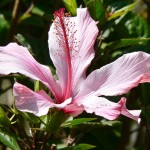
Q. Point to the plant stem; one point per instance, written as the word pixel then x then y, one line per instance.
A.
pixel 14 19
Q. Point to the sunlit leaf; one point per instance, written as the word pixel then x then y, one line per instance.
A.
pixel 37 11
pixel 130 26
pixel 124 43
pixel 21 39
pixel 71 6
pixel 121 11
pixel 24 17
pixel 79 147
pixel 77 122
pixel 111 123
pixel 4 120
pixel 9 141
pixel 82 146
pixel 137 26
pixel 39 86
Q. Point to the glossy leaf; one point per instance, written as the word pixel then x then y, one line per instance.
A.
pixel 96 9
pixel 110 123
pixel 71 6
pixel 41 13
pixel 9 141
pixel 131 26
pixel 121 11
pixel 4 120
pixel 79 147
pixel 32 118
pixel 77 122
pixel 83 146
pixel 56 119
pixel 97 125
pixel 137 26
pixel 122 43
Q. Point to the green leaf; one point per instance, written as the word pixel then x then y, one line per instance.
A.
pixel 9 140
pixel 111 123
pixel 31 117
pixel 71 6
pixel 125 43
pixel 21 39
pixel 24 17
pixel 130 26
pixel 4 26
pixel 121 11
pixel 41 13
pixel 96 10
pixel 22 116
pixel 55 121
pixel 39 86
pixel 37 11
pixel 82 146
pixel 97 125
pixel 28 19
pixel 4 120
pixel 137 26
pixel 77 122
pixel 44 120
pixel 79 147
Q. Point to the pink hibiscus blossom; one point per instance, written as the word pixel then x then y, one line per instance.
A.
pixel 71 41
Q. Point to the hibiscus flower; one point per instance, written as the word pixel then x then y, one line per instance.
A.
pixel 71 42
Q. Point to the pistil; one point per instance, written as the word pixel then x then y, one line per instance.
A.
pixel 64 36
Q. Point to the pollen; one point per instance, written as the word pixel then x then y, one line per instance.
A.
pixel 65 29
pixel 65 33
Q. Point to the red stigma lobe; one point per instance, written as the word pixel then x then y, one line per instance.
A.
pixel 59 13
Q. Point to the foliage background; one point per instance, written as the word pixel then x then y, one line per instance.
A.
pixel 27 22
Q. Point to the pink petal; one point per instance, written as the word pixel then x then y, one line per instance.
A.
pixel 73 110
pixel 118 77
pixel 107 109
pixel 82 38
pixel 37 103
pixel 133 114
pixel 86 35
pixel 65 103
pixel 101 107
pixel 17 59
pixel 27 100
